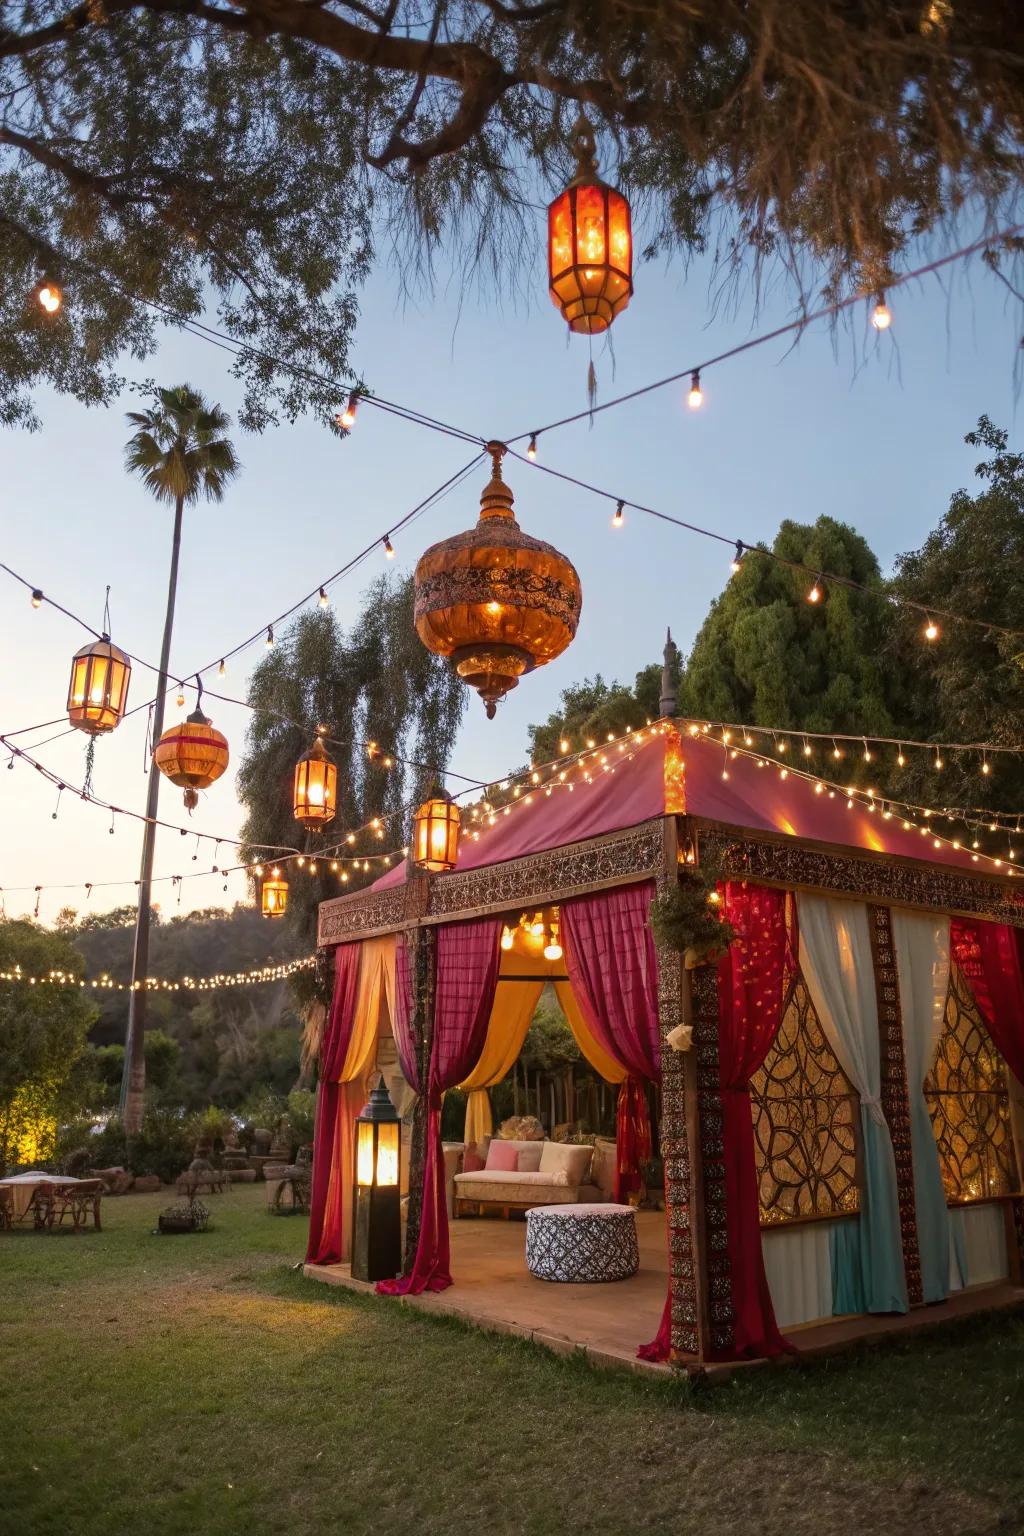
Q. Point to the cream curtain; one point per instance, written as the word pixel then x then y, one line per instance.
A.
pixel 798 1268
pixel 921 942
pixel 835 958
pixel 514 1004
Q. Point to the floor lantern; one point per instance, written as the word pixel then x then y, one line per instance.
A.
pixel 494 600
pixel 435 834
pixel 315 792
pixel 192 755
pixel 98 692
pixel 590 245
pixel 274 895
pixel 377 1199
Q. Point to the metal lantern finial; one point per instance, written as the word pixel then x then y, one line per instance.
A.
pixel 494 600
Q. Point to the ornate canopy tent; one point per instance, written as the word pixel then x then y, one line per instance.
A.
pixel 842 1131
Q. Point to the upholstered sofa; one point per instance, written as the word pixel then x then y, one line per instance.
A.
pixel 544 1173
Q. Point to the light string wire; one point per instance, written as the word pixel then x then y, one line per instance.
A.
pixel 104 982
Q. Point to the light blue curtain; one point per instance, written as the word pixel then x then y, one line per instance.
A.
pixel 921 942
pixel 835 958
pixel 847 1284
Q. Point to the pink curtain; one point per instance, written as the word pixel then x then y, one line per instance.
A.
pixel 401 1024
pixel 613 971
pixel 332 1123
pixel 752 980
pixel 468 956
pixel 989 958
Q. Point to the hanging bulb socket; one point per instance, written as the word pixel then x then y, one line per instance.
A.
pixel 531 452
pixel 389 548
pixel 881 315
pixel 695 399
pixel 323 599
pixel 737 557
pixel 37 597
pixel 269 642
pixel 347 418
pixel 618 516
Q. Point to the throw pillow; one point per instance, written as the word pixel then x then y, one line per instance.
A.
pixel 530 1156
pixel 472 1162
pixel 564 1157
pixel 502 1158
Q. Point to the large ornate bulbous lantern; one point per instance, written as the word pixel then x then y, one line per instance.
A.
pixel 315 795
pixel 435 834
pixel 590 245
pixel 192 755
pixel 98 693
pixel 494 600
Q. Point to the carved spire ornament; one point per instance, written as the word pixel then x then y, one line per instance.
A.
pixel 495 601
pixel 668 704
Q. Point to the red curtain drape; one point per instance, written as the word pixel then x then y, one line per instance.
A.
pixel 468 956
pixel 324 1246
pixel 752 980
pixel 613 971
pixel 989 958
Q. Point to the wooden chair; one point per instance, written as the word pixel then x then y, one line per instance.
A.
pixel 6 1208
pixel 55 1201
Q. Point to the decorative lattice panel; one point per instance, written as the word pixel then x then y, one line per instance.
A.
pixel 969 1105
pixel 805 1113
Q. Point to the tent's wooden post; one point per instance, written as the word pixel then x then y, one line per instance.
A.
pixel 421 943
pixel 680 1146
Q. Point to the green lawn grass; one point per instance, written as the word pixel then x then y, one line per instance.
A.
pixel 197 1384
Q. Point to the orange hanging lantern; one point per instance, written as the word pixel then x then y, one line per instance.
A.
pixel 435 833
pixel 590 245
pixel 315 794
pixel 274 895
pixel 192 755
pixel 494 600
pixel 98 693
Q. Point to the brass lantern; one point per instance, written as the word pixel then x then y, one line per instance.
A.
pixel 435 834
pixel 377 1198
pixel 98 693
pixel 315 795
pixel 274 895
pixel 495 600
pixel 192 755
pixel 590 245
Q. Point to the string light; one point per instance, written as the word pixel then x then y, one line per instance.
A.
pixel 347 419
pixel 737 558
pixel 931 630
pixel 106 983
pixel 389 548
pixel 37 597
pixel 618 517
pixel 814 595
pixel 222 668
pixel 985 766
pixel 881 315
pixel 695 399
pixel 323 599
pixel 531 452
pixel 49 295
pixel 269 642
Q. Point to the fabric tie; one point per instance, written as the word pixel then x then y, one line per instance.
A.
pixel 873 1105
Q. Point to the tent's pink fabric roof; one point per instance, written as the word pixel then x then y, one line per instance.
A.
pixel 630 788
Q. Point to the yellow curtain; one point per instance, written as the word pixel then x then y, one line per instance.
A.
pixel 511 1012
pixel 598 1057
pixel 377 956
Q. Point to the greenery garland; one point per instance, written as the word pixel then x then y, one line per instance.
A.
pixel 685 918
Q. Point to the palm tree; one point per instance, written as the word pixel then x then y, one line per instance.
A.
pixel 181 453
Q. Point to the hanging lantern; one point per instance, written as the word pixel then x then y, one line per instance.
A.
pixel 435 833
pixel 495 600
pixel 100 674
pixel 315 795
pixel 590 245
pixel 377 1197
pixel 192 755
pixel 274 895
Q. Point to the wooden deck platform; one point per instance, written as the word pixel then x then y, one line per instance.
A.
pixel 494 1290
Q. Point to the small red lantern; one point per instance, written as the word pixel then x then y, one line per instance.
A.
pixel 590 245
pixel 192 755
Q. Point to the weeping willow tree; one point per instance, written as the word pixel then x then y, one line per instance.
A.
pixel 375 681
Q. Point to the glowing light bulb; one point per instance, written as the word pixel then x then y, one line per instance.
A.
pixel 324 600
pixel 985 767
pixel 37 597
pixel 531 452
pixel 563 746
pixel 347 419
pixel 931 630
pixel 49 295
pixel 695 399
pixel 734 564
pixel 221 669
pixel 269 642
pixel 389 548
pixel 553 951
pixel 814 595
pixel 506 938
pixel 881 315
pixel 618 518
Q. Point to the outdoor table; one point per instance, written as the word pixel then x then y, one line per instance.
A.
pixel 23 1187
pixel 574 1243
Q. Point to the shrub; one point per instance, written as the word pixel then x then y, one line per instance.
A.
pixel 301 1114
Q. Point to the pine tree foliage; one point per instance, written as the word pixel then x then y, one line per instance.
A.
pixel 373 682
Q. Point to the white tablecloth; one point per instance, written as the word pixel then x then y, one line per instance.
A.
pixel 25 1185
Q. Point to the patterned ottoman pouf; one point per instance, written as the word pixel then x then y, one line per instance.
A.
pixel 581 1242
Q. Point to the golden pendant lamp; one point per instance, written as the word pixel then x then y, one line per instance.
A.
pixel 192 755
pixel 315 790
pixel 98 692
pixel 590 245
pixel 435 834
pixel 494 600
pixel 274 895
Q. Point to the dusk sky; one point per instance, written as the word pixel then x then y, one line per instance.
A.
pixel 869 430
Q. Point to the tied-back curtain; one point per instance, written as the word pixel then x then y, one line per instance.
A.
pixel 604 1065
pixel 515 1000
pixel 613 971
pixel 466 978
pixel 325 1224
pixel 752 983
pixel 988 956
pixel 921 942
pixel 837 965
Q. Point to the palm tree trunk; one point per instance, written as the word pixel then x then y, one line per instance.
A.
pixel 133 1082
